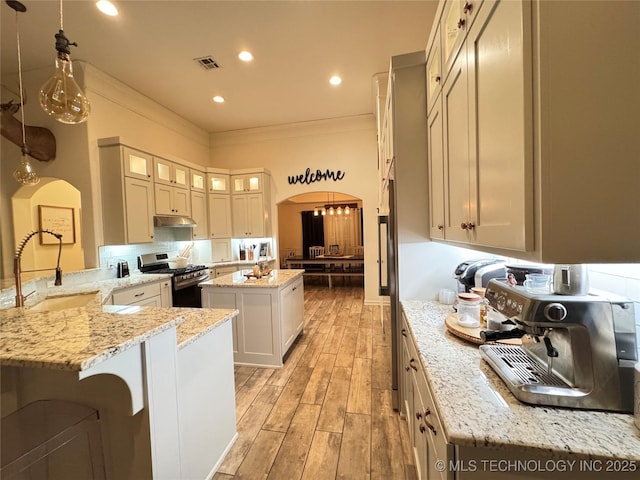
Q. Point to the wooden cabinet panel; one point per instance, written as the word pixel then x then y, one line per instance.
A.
pixel 199 214
pixel 220 216
pixel 137 164
pixel 138 211
pixel 436 172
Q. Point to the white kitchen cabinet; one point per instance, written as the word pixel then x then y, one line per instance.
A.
pixel 127 194
pixel 251 212
pixel 292 305
pixel 457 19
pixel 198 182
pixel 546 153
pixel 218 182
pixel 485 141
pixel 266 313
pixel 172 200
pixel 247 183
pixel 434 69
pixel 221 250
pixel 219 215
pixel 199 214
pixel 152 294
pixel 436 171
pixel 170 173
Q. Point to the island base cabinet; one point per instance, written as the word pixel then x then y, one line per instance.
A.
pixel 206 395
pixel 269 321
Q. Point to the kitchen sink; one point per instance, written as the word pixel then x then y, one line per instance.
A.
pixel 69 301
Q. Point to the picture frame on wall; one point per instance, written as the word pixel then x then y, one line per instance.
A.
pixel 59 220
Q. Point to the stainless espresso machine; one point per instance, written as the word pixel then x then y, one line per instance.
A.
pixel 577 351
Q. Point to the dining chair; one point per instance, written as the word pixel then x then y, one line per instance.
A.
pixel 315 251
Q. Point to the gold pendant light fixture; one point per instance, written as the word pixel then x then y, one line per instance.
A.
pixel 60 96
pixel 24 174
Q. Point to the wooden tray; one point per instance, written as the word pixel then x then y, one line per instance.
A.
pixel 471 334
pixel 264 273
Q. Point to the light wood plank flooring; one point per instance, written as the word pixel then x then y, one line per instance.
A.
pixel 327 413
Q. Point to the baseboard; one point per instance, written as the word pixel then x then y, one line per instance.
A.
pixel 215 468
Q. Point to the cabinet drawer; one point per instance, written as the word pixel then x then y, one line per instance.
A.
pixel 132 295
pixel 431 418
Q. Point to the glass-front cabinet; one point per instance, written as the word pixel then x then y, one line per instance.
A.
pixel 248 183
pixel 170 173
pixel 218 183
pixel 198 180
pixel 137 164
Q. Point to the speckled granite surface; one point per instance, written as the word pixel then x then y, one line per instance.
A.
pixel 477 409
pixel 78 338
pixel 275 279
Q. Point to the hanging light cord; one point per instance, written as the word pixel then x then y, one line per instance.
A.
pixel 24 136
pixel 61 15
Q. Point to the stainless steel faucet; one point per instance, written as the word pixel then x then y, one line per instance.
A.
pixel 17 268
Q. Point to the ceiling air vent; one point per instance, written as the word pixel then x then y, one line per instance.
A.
pixel 208 62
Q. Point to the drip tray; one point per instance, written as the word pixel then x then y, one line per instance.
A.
pixel 514 366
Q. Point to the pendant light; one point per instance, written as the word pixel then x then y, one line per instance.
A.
pixel 24 174
pixel 60 96
pixel 346 210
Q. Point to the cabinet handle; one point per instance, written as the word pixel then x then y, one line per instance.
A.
pixel 471 226
pixel 441 227
pixel 406 368
pixel 139 294
pixel 418 415
pixel 468 6
pixel 404 332
pixel 431 427
pixel 422 429
pixel 427 412
pixel 412 364
pixel 463 226
pixel 437 79
pixel 294 289
pixel 461 23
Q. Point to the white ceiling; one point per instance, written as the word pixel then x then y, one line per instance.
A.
pixel 297 46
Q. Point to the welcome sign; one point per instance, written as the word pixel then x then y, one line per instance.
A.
pixel 309 177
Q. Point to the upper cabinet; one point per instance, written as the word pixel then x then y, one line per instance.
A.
pixel 198 182
pixel 251 210
pixel 218 183
pixel 538 163
pixel 127 195
pixel 247 183
pixel 434 69
pixel 170 173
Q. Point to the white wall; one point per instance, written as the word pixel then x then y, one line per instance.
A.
pixel 347 144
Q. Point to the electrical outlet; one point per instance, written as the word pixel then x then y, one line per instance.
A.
pixel 110 264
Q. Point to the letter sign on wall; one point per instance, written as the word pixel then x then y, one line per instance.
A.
pixel 309 177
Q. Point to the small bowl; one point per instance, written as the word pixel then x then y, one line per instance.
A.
pixel 178 262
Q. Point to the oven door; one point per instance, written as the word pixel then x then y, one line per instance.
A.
pixel 188 295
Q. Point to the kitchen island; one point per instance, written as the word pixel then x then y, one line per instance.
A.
pixel 160 378
pixel 271 313
pixel 480 430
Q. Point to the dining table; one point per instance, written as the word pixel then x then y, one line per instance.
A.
pixel 328 265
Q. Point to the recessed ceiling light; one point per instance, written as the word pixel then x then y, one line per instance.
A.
pixel 218 99
pixel 245 56
pixel 106 7
pixel 335 80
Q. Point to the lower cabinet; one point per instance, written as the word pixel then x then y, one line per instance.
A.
pixel 430 447
pixel 269 321
pixel 153 294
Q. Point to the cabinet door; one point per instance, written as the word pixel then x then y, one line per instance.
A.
pixel 218 183
pixel 240 215
pixel 219 216
pixel 255 215
pixel 291 313
pixel 139 210
pixel 456 151
pixel 162 171
pixel 181 202
pixel 434 71
pixel 221 251
pixel 436 172
pixel 500 120
pixel 199 214
pixel 420 443
pixel 164 200
pixel 214 298
pixel 137 164
pixel 166 297
pixel 246 183
pixel 198 180
pixel 180 176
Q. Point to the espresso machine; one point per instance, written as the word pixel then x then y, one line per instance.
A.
pixel 577 351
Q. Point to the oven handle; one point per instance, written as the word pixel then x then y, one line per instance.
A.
pixel 192 283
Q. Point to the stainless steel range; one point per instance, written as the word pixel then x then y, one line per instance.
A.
pixel 184 282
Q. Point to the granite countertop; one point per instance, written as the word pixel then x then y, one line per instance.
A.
pixel 477 409
pixel 276 279
pixel 78 338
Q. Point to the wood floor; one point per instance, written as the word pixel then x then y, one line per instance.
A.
pixel 327 413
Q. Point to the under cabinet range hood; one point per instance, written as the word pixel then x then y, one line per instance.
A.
pixel 173 221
